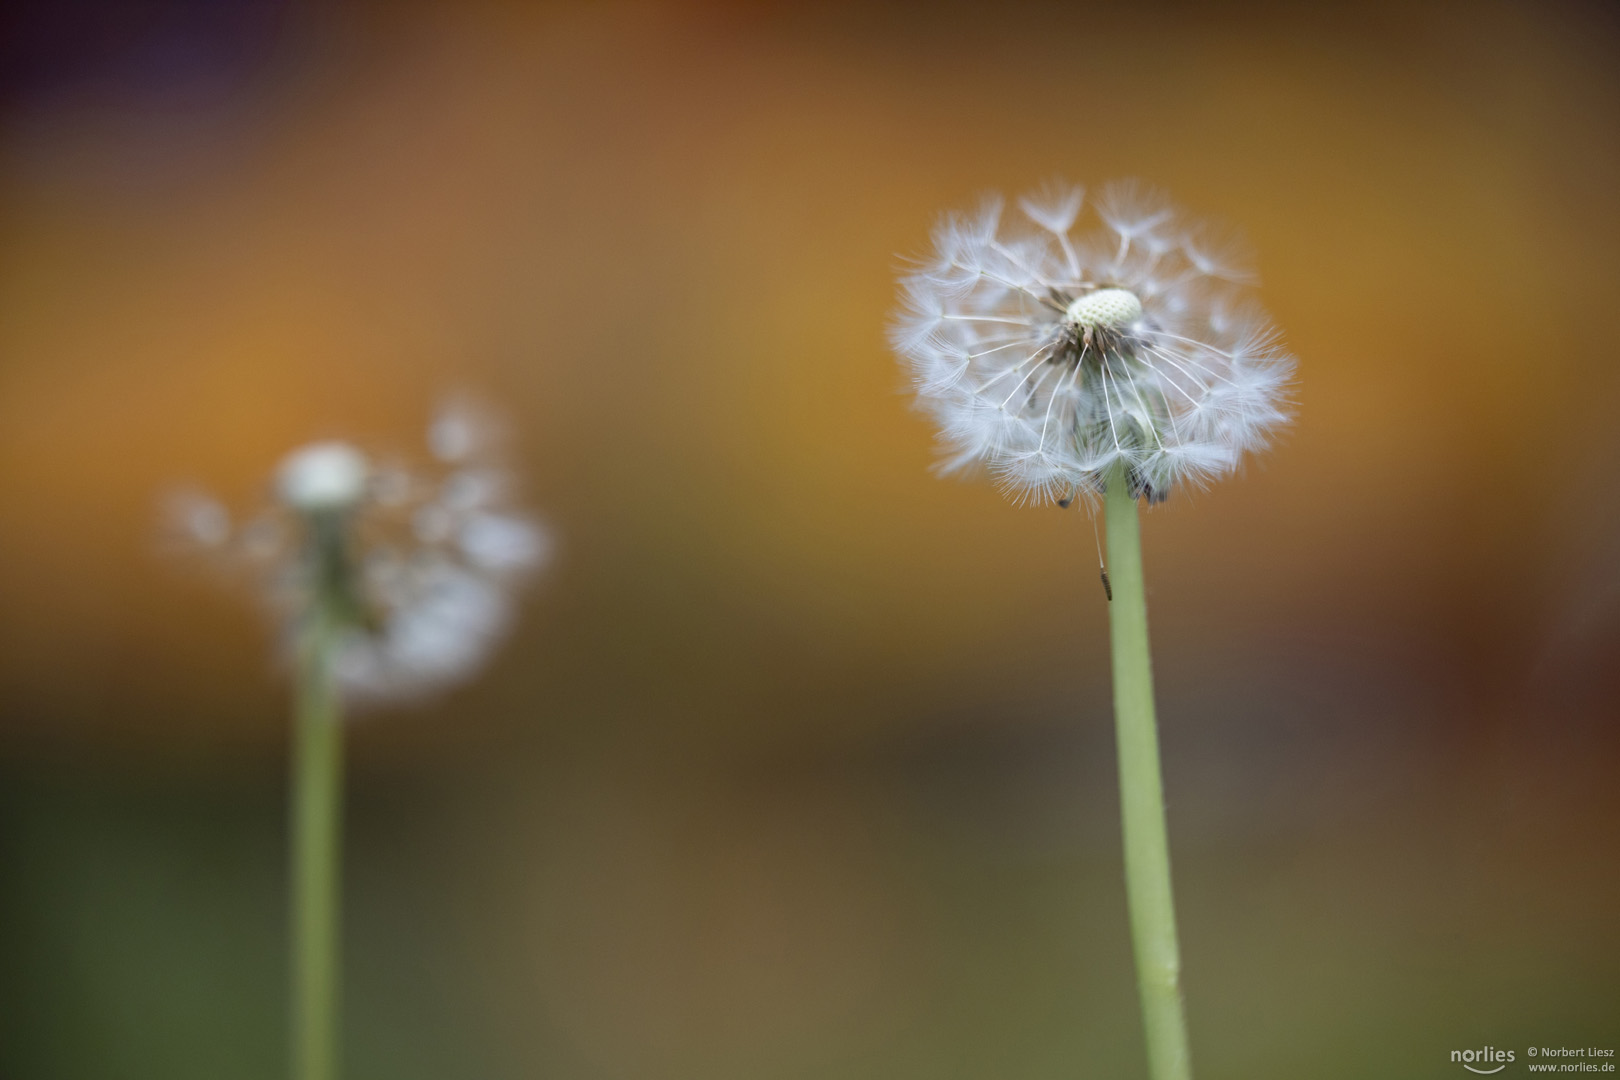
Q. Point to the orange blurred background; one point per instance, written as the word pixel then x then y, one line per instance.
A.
pixel 800 764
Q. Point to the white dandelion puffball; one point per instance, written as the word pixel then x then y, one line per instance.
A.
pixel 1054 356
pixel 433 554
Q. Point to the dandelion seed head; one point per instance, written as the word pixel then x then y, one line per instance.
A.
pixel 433 555
pixel 1050 350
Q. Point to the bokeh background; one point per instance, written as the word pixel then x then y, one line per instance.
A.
pixel 800 763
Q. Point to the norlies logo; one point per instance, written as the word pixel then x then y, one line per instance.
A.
pixel 1484 1057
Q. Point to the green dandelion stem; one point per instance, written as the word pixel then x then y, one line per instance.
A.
pixel 317 810
pixel 1147 847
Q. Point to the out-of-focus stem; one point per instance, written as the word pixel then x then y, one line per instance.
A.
pixel 316 827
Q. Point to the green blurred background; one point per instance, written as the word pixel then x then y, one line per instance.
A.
pixel 800 763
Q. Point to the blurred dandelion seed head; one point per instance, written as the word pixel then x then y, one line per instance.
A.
pixel 1052 356
pixel 431 557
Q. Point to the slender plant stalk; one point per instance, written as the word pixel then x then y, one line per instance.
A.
pixel 1147 848
pixel 317 810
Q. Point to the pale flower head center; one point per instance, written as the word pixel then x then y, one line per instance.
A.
pixel 1105 309
pixel 323 476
